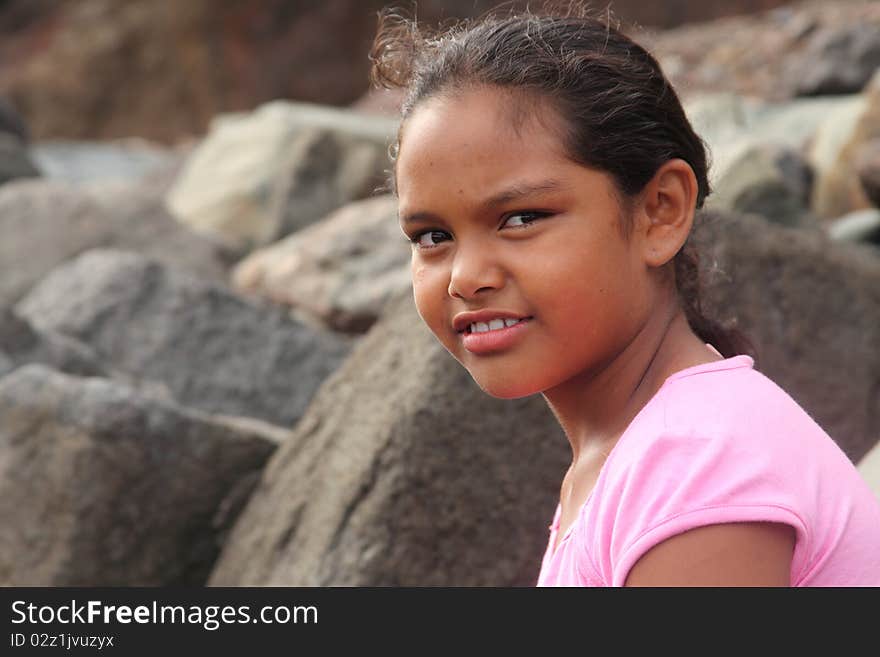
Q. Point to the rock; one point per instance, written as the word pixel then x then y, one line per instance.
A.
pixel 839 60
pixel 103 486
pixel 812 308
pixel 43 224
pixel 761 55
pixel 46 222
pixel 770 180
pixel 869 468
pixel 733 125
pixel 833 131
pixel 14 160
pixel 868 170
pixel 837 190
pixel 215 352
pixel 324 170
pixel 142 223
pixel 256 177
pixel 21 343
pixel 858 226
pixel 83 161
pixel 403 473
pixel 340 271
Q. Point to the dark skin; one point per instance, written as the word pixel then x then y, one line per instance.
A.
pixel 607 328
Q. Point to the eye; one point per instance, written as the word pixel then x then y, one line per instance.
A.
pixel 427 239
pixel 526 218
pixel 432 234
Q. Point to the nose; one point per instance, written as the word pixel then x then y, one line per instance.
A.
pixel 474 268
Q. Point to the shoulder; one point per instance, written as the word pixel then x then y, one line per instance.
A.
pixel 696 481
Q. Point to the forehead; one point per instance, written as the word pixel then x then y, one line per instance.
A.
pixel 477 139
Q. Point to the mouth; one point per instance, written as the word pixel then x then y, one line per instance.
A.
pixel 468 330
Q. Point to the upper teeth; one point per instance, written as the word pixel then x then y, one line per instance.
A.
pixel 482 327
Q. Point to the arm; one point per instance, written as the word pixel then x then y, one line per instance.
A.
pixel 729 554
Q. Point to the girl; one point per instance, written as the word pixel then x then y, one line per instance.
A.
pixel 548 179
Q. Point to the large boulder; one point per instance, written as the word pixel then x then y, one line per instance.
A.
pixel 214 351
pixel 838 60
pixel 103 486
pixel 260 176
pixel 403 472
pixel 45 223
pixel 812 308
pixel 340 272
pixel 21 343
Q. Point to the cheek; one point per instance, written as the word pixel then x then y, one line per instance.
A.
pixel 428 291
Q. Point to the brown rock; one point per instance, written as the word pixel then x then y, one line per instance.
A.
pixel 405 473
pixel 340 272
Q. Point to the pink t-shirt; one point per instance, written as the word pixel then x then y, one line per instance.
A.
pixel 720 442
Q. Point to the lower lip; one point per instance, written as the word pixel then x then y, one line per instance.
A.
pixel 495 340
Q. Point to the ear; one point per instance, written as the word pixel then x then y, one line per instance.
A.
pixel 667 206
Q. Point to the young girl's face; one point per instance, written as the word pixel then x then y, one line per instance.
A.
pixel 505 223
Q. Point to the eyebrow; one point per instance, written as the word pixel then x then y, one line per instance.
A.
pixel 512 193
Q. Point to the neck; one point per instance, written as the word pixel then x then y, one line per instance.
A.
pixel 595 407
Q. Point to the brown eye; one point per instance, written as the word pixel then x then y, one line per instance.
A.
pixel 433 234
pixel 526 218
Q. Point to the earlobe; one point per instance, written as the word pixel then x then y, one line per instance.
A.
pixel 669 205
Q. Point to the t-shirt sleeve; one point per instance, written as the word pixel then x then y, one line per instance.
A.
pixel 677 483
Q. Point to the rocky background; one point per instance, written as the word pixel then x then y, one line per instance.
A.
pixel 211 368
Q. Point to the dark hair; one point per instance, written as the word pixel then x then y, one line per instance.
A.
pixel 620 113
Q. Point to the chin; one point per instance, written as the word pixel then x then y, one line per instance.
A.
pixel 505 389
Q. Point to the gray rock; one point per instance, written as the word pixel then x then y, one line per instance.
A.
pixel 812 308
pixel 14 160
pixel 46 222
pixel 838 60
pixel 21 343
pixel 339 272
pixel 103 486
pixel 142 223
pixel 858 226
pixel 732 125
pixel 258 175
pixel 324 170
pixel 214 351
pixel 43 223
pixel 403 472
pixel 770 180
pixel 85 161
